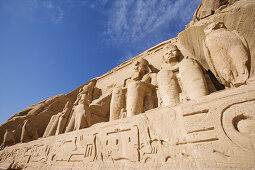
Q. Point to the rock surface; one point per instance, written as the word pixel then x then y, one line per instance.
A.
pixel 187 103
pixel 238 16
pixel 194 135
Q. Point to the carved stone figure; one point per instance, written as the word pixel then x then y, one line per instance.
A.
pixel 215 131
pixel 9 138
pixel 192 78
pixel 140 89
pixel 167 81
pixel 63 119
pixel 51 127
pixel 29 132
pixel 57 122
pixel 117 103
pixel 226 53
pixel 80 111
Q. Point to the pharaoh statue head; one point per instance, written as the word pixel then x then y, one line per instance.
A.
pixel 172 54
pixel 68 103
pixel 85 93
pixel 141 67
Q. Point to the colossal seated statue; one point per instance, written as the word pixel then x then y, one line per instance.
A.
pixel 80 111
pixel 29 132
pixel 167 82
pixel 141 88
pixel 9 138
pixel 117 103
pixel 57 122
pixel 192 83
pixel 227 54
pixel 137 94
pixel 193 80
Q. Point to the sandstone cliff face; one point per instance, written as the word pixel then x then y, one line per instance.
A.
pixel 39 114
pixel 239 16
pixel 172 114
pixel 210 7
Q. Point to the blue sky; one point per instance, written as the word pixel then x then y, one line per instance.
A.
pixel 50 47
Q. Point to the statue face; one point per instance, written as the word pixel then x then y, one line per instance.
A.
pixel 83 96
pixel 171 55
pixel 140 67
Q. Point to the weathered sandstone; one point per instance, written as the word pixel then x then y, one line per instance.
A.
pixel 187 103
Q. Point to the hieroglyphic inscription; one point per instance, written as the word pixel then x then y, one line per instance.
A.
pixel 4 156
pixel 37 153
pixel 238 124
pixel 198 128
pixel 123 144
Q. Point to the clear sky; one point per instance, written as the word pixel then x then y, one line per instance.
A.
pixel 50 47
